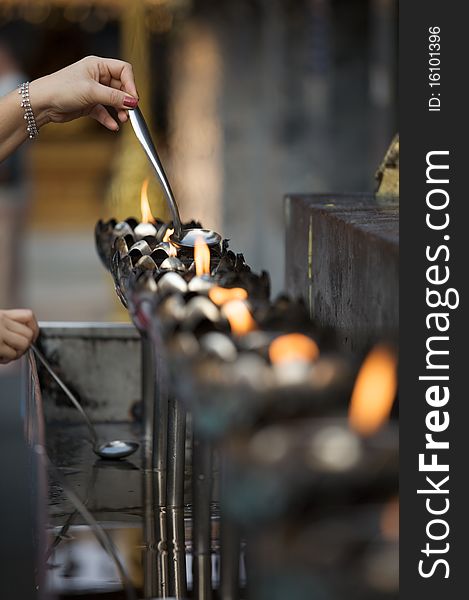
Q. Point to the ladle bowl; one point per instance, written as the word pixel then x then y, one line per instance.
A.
pixel 190 236
pixel 116 449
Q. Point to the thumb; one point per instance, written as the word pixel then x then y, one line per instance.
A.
pixel 103 94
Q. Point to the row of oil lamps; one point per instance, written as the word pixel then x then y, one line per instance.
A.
pixel 306 439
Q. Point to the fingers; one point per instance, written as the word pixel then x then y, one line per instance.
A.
pixel 123 72
pixel 114 83
pixel 19 329
pixel 16 341
pixel 15 337
pixel 103 94
pixel 33 324
pixel 6 353
pixel 23 317
pixel 102 116
pixel 123 116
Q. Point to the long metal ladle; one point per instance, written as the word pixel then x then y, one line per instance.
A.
pixel 114 449
pixel 184 238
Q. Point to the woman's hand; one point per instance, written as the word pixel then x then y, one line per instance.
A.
pixel 18 330
pixel 85 88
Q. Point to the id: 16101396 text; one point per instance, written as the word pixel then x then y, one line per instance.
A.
pixel 434 69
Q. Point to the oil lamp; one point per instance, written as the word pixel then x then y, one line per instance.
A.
pixel 218 345
pixel 126 227
pixel 172 263
pixel 202 282
pixel 316 497
pixel 221 295
pixel 239 317
pixel 292 356
pixel 171 282
pixel 145 263
pixel 146 227
pixel 162 251
pixel 200 309
pixel 138 250
pixel 106 234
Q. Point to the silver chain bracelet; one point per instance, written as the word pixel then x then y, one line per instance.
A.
pixel 31 126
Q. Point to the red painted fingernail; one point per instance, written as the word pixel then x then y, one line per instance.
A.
pixel 130 102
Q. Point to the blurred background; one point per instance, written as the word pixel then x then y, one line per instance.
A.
pixel 248 99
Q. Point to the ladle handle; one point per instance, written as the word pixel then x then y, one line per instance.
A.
pixel 66 390
pixel 143 135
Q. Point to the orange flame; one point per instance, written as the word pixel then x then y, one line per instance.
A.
pixel 220 295
pixel 293 347
pixel 201 257
pixel 147 217
pixel 374 391
pixel 172 250
pixel 168 234
pixel 239 317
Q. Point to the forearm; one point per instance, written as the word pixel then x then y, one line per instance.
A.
pixel 12 123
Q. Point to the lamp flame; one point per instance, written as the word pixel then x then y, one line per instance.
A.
pixel 147 217
pixel 293 347
pixel 168 234
pixel 201 257
pixel 239 317
pixel 374 391
pixel 221 295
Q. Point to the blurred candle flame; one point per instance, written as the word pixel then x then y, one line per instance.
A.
pixel 201 257
pixel 239 317
pixel 293 347
pixel 147 217
pixel 374 391
pixel 168 234
pixel 220 295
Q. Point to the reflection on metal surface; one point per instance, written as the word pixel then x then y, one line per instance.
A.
pixel 80 565
pixel 155 544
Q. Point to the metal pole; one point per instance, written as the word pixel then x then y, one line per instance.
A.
pixel 177 553
pixel 201 542
pixel 230 543
pixel 150 572
pixel 176 453
pixel 148 401
pixel 150 579
pixel 155 416
pixel 162 551
pixel 160 420
pixel 175 497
